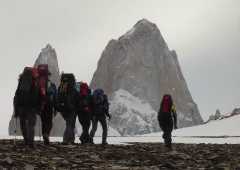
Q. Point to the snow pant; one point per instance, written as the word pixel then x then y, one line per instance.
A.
pixel 103 122
pixel 27 118
pixel 69 134
pixel 85 121
pixel 46 118
pixel 166 124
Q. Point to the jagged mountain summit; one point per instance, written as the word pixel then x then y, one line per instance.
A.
pixel 48 56
pixel 141 63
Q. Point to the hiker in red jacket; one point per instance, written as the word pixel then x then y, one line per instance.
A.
pixel 84 110
pixel 167 118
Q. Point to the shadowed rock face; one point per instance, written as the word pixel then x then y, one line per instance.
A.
pixel 47 56
pixel 141 63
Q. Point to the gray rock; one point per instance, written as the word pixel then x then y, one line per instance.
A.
pixel 141 63
pixel 29 167
pixel 8 160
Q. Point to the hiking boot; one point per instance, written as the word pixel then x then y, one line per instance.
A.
pixel 168 147
pixel 31 145
pixel 65 143
pixel 104 143
pixel 46 140
pixel 25 143
pixel 91 141
pixel 68 143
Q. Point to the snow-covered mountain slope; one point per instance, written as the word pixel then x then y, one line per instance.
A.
pixel 130 115
pixel 219 128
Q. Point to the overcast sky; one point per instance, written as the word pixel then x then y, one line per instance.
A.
pixel 204 33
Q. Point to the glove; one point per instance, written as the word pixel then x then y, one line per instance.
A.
pixel 54 112
pixel 175 127
pixel 109 116
pixel 15 113
pixel 86 109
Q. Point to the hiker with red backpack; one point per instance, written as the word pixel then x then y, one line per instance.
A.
pixel 48 93
pixel 167 118
pixel 100 111
pixel 84 110
pixel 66 105
pixel 27 103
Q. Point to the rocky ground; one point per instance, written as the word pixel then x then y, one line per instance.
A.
pixel 134 156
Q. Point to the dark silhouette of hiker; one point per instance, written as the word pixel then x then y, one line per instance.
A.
pixel 48 97
pixel 48 110
pixel 100 111
pixel 84 111
pixel 27 103
pixel 66 105
pixel 167 118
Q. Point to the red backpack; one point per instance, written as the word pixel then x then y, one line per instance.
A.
pixel 166 104
pixel 43 78
pixel 84 89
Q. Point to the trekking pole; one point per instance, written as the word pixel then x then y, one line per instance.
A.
pixel 15 132
pixel 108 122
pixel 39 130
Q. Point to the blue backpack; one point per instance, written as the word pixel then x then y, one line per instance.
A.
pixel 52 92
pixel 98 96
pixel 100 102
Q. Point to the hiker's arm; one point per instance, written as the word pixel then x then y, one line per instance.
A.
pixel 15 106
pixel 107 111
pixel 106 106
pixel 174 117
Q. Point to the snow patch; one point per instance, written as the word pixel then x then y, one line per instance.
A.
pixel 131 115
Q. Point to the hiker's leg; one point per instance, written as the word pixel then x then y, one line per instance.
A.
pixel 65 134
pixel 81 121
pixel 71 128
pixel 87 123
pixel 168 138
pixel 23 126
pixel 31 125
pixel 94 127
pixel 104 127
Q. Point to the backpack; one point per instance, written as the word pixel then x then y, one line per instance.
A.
pixel 51 92
pixel 84 89
pixel 27 92
pixel 100 102
pixel 84 97
pixel 67 85
pixel 98 96
pixel 43 79
pixel 166 104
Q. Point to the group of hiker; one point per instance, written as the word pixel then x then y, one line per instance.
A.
pixel 36 94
